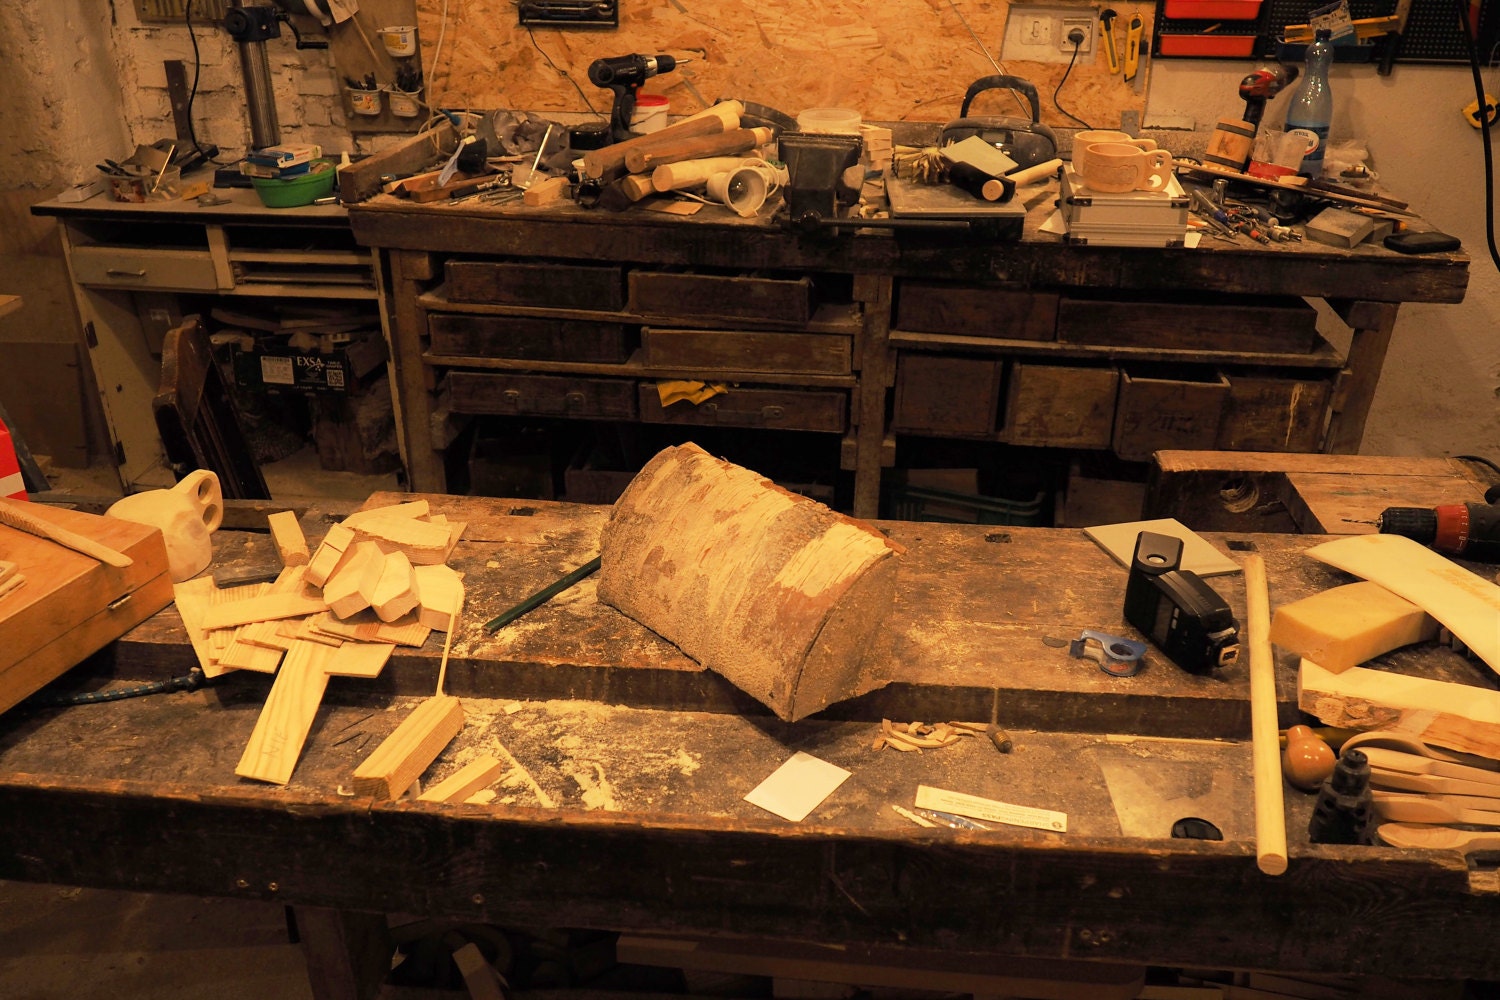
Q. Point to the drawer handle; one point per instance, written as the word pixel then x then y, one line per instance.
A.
pixel 573 401
pixel 115 272
pixel 765 414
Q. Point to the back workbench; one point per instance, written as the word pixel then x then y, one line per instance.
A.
pixel 646 757
pixel 866 344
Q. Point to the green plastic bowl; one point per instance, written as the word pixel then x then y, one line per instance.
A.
pixel 292 192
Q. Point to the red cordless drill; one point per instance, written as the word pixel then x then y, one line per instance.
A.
pixel 1466 530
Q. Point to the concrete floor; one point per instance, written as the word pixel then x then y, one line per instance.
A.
pixel 66 943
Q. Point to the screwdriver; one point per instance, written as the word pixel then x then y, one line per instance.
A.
pixel 1468 530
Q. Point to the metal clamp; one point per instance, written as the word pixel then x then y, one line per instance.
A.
pixel 1116 655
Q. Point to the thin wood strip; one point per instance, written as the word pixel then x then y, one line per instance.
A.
pixel 1270 809
pixel 258 609
pixel 464 782
pixel 271 755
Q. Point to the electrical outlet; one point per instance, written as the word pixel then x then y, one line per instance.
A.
pixel 1039 32
pixel 1069 26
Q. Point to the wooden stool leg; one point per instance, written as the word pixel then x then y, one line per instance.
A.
pixel 348 954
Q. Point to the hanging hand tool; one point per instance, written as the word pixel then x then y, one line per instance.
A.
pixel 624 75
pixel 1107 32
pixel 1133 30
pixel 1393 39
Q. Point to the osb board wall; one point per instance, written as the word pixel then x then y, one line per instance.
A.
pixel 908 60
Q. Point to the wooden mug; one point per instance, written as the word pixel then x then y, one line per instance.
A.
pixel 1088 137
pixel 1116 167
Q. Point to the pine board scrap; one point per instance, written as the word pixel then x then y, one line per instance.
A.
pixel 414 508
pixel 365 627
pixel 192 598
pixel 245 655
pixel 360 659
pixel 265 634
pixel 330 553
pixel 351 588
pixel 271 755
pixel 423 542
pixel 396 590
pixel 1457 716
pixel 1466 603
pixel 411 749
pixel 465 782
pixel 440 593
pixel 265 608
pixel 290 542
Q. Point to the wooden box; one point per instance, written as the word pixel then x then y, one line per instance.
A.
pixel 1274 414
pixel 558 286
pixel 1060 406
pixel 772 300
pixel 743 351
pixel 1179 409
pixel 541 395
pixel 940 307
pixel 70 604
pixel 527 338
pixel 947 396
pixel 776 409
pixel 1217 322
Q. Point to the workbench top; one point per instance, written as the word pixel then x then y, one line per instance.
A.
pixel 643 760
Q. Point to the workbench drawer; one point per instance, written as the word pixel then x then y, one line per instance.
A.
pixel 970 310
pixel 743 297
pixel 1060 406
pixel 529 338
pixel 1168 408
pixel 746 351
pixel 542 395
pixel 947 396
pixel 598 287
pixel 1264 413
pixel 1218 322
pixel 823 410
pixel 174 270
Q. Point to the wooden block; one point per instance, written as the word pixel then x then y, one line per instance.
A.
pixel 546 192
pixel 361 179
pixel 1466 603
pixel 1339 227
pixel 411 749
pixel 465 782
pixel 260 609
pixel 326 559
pixel 414 508
pixel 774 591
pixel 422 542
pixel 359 659
pixel 1343 627
pixel 271 755
pixel 1457 716
pixel 286 533
pixel 396 591
pixel 352 587
pixel 440 593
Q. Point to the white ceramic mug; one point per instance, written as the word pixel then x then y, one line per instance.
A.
pixel 1088 137
pixel 1116 167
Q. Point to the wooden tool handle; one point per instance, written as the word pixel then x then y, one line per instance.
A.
pixel 725 144
pixel 598 163
pixel 15 514
pixel 1270 810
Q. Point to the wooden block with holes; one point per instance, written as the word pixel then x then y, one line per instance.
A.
pixel 411 749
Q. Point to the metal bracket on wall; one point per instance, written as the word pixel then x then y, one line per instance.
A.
pixel 570 13
pixel 175 11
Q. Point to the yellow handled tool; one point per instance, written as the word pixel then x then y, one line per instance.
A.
pixel 1107 31
pixel 1133 46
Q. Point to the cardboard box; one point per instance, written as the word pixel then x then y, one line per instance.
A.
pixel 276 366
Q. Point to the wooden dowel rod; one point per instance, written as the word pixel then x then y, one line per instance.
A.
pixel 542 596
pixel 1270 810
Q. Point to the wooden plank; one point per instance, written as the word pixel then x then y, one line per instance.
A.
pixel 286 535
pixel 284 722
pixel 406 753
pixel 359 659
pixel 1461 717
pixel 458 786
pixel 365 627
pixel 259 609
pixel 362 178
pixel 777 593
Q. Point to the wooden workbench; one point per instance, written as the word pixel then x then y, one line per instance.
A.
pixel 648 758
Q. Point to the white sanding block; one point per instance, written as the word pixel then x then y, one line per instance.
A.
pixel 1343 627
pixel 1198 554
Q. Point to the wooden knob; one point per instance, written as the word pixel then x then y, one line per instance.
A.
pixel 1307 760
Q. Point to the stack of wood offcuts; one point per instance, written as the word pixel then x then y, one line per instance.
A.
pixel 379 580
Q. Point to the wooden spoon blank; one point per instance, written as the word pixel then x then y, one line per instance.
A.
pixel 1406 743
pixel 1439 838
pixel 1395 760
pixel 1433 784
pixel 1402 808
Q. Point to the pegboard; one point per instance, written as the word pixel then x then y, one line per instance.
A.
pixel 1433 32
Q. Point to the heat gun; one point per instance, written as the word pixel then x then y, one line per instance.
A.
pixel 624 75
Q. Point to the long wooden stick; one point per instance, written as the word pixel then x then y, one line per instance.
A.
pixel 1270 810
pixel 542 596
pixel 15 514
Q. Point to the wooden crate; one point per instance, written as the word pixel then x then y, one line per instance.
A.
pixel 1275 414
pixel 942 307
pixel 776 300
pixel 1158 410
pixel 1060 406
pixel 526 338
pixel 1219 322
pixel 823 410
pixel 560 286
pixel 744 351
pixel 541 395
pixel 947 396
